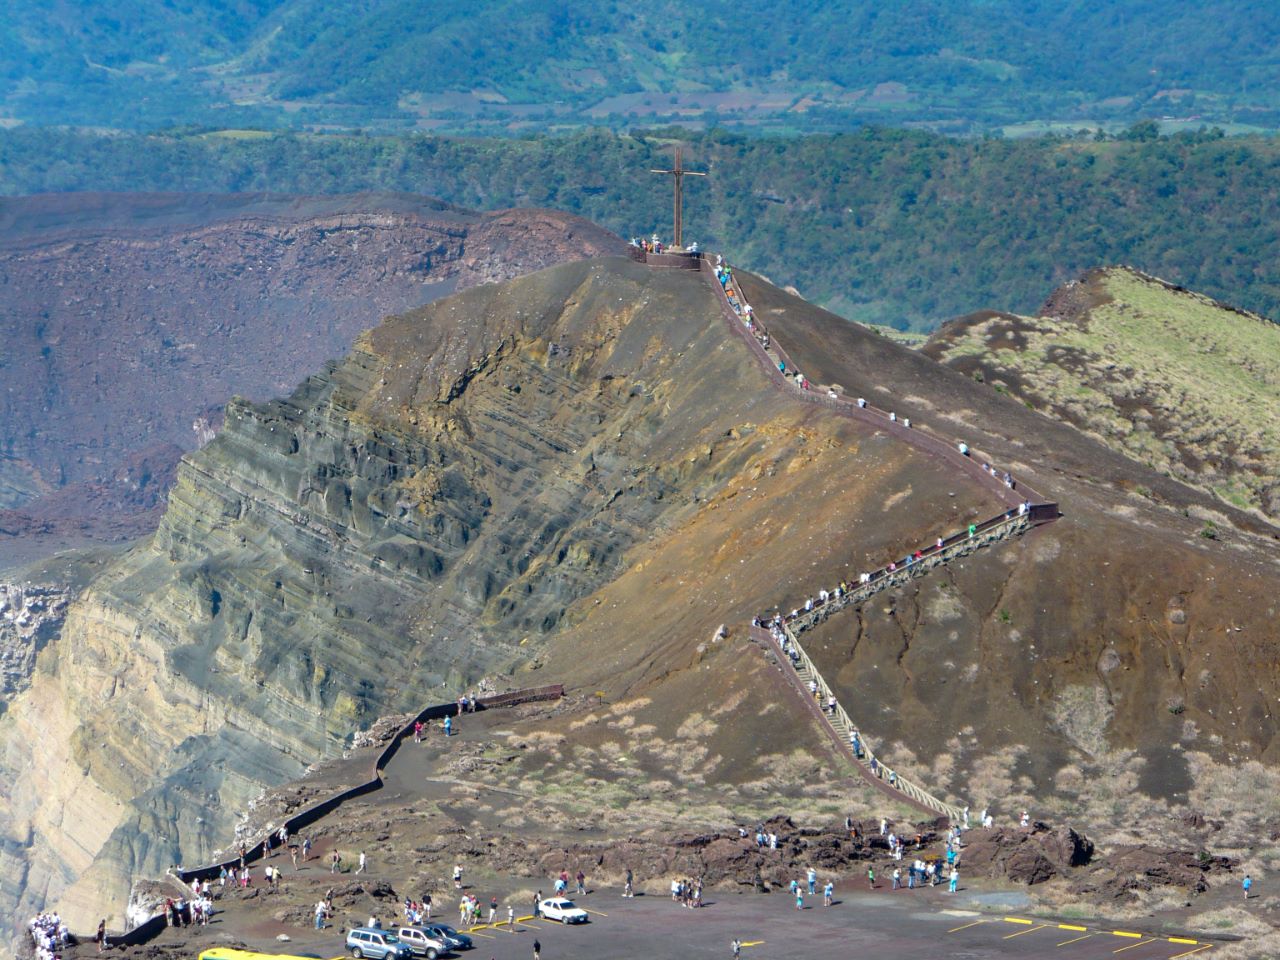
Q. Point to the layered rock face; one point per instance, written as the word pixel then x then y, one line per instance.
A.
pixel 406 521
pixel 127 319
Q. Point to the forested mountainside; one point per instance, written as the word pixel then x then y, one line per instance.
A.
pixel 901 228
pixel 964 64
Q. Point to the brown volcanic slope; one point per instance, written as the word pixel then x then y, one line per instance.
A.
pixel 431 509
pixel 1119 628
pixel 128 318
pixel 581 474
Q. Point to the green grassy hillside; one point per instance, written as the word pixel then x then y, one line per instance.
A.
pixel 963 64
pixel 1169 377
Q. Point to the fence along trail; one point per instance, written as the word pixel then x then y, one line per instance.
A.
pixel 1027 509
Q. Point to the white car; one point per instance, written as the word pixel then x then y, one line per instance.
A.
pixel 566 911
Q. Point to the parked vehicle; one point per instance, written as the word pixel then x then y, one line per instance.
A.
pixel 454 939
pixel 375 943
pixel 566 911
pixel 422 942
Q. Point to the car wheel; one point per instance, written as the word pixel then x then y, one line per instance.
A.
pixel 432 954
pixel 357 953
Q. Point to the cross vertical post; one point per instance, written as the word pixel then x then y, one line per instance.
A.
pixel 677 174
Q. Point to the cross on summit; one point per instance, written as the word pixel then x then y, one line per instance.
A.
pixel 677 174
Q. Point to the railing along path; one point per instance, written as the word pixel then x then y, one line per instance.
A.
pixel 1026 509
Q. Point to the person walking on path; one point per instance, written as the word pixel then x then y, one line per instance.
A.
pixel 493 910
pixel 457 876
pixel 537 950
pixel 334 860
pixel 955 879
pixel 736 947
pixel 448 726
pixel 871 878
pixel 306 849
pixel 582 882
pixel 363 863
pixel 827 892
pixel 897 878
pixel 1247 884
pixel 101 935
pixel 799 899
pixel 511 917
pixel 812 877
pixel 628 890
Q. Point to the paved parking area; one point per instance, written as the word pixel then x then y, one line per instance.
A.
pixel 860 924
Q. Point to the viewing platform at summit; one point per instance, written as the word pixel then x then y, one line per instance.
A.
pixel 666 257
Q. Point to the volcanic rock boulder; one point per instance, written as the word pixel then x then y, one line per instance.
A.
pixel 1130 870
pixel 1025 856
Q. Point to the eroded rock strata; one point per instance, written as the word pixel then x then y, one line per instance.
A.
pixel 200 298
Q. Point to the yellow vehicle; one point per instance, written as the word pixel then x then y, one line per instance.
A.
pixel 226 953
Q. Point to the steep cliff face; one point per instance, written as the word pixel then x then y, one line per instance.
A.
pixel 411 518
pixel 127 319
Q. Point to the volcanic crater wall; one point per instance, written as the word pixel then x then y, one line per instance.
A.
pixel 396 528
pixel 200 298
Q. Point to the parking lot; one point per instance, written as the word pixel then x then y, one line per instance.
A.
pixel 769 926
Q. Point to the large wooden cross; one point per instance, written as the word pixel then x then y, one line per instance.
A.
pixel 677 174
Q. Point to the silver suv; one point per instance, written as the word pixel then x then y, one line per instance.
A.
pixel 422 942
pixel 377 944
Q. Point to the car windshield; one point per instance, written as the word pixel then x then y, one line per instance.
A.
pixel 447 931
pixel 564 904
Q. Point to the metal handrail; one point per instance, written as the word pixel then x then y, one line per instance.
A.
pixel 917 793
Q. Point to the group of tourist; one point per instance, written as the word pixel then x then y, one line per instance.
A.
pixel 50 935
pixel 562 883
pixel 687 893
pixel 181 912
pixel 417 911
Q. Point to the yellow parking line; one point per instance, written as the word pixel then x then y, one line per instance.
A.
pixel 487 936
pixel 524 918
pixel 599 913
pixel 1182 940
pixel 1028 930
pixel 1126 933
pixel 1132 945
pixel 1190 952
pixel 1076 940
pixel 752 943
pixel 1018 920
pixel 1072 926
pixel 966 926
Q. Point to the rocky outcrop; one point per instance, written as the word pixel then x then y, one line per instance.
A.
pixel 1025 856
pixel 30 616
pixel 1131 870
pixel 129 318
